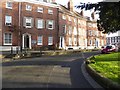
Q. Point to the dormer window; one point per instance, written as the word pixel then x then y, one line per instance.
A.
pixel 9 5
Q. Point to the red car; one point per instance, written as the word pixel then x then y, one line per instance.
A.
pixel 107 49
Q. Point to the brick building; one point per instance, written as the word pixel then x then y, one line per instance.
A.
pixel 72 28
pixel 29 24
pixel 77 31
pixel 95 38
pixel 33 24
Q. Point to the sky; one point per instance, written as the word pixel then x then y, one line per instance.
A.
pixel 76 2
pixel 87 13
pixel 64 2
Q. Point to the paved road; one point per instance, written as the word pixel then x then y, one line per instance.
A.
pixel 47 72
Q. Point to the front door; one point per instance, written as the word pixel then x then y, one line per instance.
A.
pixel 26 41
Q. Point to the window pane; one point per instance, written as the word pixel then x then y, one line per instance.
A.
pixel 64 29
pixel 40 23
pixel 75 31
pixel 40 9
pixel 8 20
pixel 50 24
pixel 28 22
pixel 9 5
pixel 70 41
pixel 7 38
pixel 50 40
pixel 50 11
pixel 40 40
pixel 28 7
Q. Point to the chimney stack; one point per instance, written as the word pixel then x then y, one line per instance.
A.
pixel 82 13
pixel 93 15
pixel 70 5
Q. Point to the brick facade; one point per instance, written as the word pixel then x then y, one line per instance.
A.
pixel 69 29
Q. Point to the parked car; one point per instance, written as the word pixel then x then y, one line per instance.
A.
pixel 109 48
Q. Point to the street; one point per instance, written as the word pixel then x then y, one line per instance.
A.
pixel 62 71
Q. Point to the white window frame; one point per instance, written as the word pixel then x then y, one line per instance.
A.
pixel 8 38
pixel 70 41
pixel 64 29
pixel 75 41
pixel 79 31
pixel 63 17
pixel 50 11
pixel 75 21
pixel 40 9
pixel 50 40
pixel 69 18
pixel 7 4
pixel 75 31
pixel 30 20
pixel 70 30
pixel 8 20
pixel 40 40
pixel 28 7
pixel 50 22
pixel 39 23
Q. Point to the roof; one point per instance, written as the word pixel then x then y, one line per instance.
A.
pixel 65 10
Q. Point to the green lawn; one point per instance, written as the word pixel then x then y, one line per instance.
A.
pixel 108 65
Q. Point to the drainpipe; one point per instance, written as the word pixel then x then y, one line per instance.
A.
pixel 20 36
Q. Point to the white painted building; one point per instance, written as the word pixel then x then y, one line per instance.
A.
pixel 113 38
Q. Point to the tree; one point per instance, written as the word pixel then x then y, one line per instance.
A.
pixel 109 14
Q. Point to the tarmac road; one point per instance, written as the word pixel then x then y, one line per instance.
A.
pixel 64 71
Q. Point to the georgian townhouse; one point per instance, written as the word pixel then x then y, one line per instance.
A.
pixel 29 24
pixel 72 28
pixel 95 38
pixel 37 23
pixel 10 23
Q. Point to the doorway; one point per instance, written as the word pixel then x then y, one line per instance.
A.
pixel 26 41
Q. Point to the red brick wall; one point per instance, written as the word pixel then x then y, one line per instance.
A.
pixel 14 13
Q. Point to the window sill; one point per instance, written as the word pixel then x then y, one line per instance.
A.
pixel 8 44
pixel 28 27
pixel 50 28
pixel 9 7
pixel 39 44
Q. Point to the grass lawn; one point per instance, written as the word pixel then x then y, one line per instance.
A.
pixel 108 65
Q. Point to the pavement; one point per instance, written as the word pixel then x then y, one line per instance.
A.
pixel 65 71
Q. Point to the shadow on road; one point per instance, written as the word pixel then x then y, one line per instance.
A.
pixel 76 76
